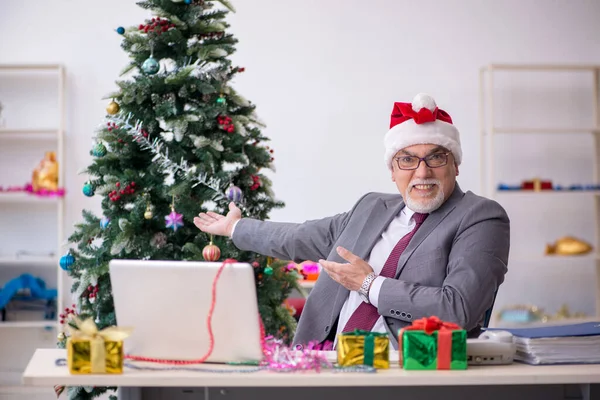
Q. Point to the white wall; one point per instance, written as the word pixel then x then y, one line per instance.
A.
pixel 324 75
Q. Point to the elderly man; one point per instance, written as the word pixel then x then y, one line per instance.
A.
pixel 430 250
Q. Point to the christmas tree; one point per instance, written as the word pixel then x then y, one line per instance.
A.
pixel 177 140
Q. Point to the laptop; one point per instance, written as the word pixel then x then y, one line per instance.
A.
pixel 167 305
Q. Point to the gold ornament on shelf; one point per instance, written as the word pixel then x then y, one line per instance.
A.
pixel 564 313
pixel 45 175
pixel 113 108
pixel 568 246
pixel 61 336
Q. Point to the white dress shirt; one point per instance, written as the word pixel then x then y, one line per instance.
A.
pixel 402 224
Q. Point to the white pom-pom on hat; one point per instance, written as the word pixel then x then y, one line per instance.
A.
pixel 423 100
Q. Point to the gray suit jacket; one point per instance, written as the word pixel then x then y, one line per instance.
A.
pixel 452 267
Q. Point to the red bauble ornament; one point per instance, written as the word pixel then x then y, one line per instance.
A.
pixel 211 252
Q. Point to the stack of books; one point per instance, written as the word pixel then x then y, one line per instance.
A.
pixel 563 344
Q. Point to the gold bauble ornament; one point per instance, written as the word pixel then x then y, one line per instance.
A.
pixel 568 246
pixel 113 108
pixel 148 214
pixel 61 336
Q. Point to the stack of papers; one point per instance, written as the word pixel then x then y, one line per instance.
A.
pixel 563 344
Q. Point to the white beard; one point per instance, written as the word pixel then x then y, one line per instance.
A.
pixel 424 206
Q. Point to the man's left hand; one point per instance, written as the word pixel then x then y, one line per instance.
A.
pixel 350 275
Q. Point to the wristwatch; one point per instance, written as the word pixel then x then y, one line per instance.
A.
pixel 363 291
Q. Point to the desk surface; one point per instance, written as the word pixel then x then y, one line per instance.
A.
pixel 43 371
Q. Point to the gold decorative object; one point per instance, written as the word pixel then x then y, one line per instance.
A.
pixel 364 348
pixel 113 108
pixel 93 351
pixel 564 313
pixel 148 213
pixel 526 314
pixel 45 175
pixel 568 246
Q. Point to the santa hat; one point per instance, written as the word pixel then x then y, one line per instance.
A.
pixel 420 123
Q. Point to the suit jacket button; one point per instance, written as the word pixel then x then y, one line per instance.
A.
pixel 392 312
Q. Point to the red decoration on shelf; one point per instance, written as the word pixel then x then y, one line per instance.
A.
pixel 536 185
pixel 28 188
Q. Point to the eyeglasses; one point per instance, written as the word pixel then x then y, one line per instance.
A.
pixel 434 160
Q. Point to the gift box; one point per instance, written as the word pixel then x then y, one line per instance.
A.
pixel 93 351
pixel 431 344
pixel 364 348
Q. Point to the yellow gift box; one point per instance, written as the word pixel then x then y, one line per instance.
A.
pixel 364 348
pixel 90 351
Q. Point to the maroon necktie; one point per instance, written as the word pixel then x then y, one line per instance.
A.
pixel 366 314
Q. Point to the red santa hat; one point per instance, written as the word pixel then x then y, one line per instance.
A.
pixel 421 122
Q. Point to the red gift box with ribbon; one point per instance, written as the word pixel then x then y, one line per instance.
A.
pixel 432 344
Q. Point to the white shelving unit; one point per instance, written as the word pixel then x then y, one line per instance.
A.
pixel 20 338
pixel 584 80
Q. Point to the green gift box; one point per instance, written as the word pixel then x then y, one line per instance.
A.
pixel 431 344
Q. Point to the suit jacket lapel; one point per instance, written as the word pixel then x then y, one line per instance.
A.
pixel 428 226
pixel 379 218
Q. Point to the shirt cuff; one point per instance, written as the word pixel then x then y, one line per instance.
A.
pixel 374 290
pixel 233 228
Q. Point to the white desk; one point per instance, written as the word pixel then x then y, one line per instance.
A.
pixel 43 371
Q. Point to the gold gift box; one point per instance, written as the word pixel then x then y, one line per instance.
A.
pixel 364 348
pixel 94 356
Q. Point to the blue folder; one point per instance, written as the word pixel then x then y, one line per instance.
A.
pixel 582 329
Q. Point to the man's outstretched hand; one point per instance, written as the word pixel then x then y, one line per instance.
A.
pixel 350 275
pixel 217 224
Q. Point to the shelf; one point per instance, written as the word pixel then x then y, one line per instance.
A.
pixel 28 324
pixel 29 134
pixel 28 262
pixel 549 192
pixel 554 259
pixel 34 67
pixel 25 197
pixel 541 67
pixel 546 130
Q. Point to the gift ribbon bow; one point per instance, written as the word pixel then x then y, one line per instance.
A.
pixel 444 341
pixel 87 330
pixel 404 111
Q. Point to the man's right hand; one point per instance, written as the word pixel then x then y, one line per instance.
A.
pixel 217 224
